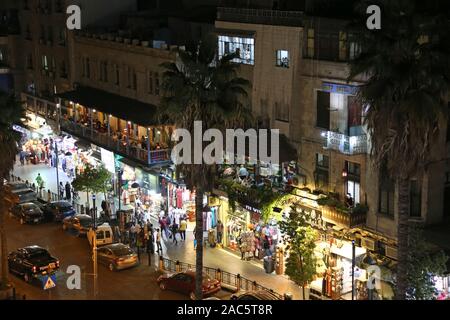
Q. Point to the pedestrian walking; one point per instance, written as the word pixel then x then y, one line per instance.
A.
pixel 61 190
pixel 49 196
pixel 219 231
pixel 68 191
pixel 174 229
pixel 40 183
pixel 182 230
pixel 158 241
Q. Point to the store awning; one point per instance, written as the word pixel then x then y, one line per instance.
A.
pixel 121 107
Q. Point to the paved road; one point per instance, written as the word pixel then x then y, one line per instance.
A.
pixel 184 251
pixel 138 283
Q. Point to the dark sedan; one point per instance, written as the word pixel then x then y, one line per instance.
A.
pixel 58 210
pixel 184 282
pixel 79 222
pixel 31 262
pixel 117 256
pixel 27 213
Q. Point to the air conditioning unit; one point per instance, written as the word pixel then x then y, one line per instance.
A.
pixel 368 243
pixel 391 252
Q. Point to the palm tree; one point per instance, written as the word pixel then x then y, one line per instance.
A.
pixel 406 64
pixel 11 113
pixel 199 88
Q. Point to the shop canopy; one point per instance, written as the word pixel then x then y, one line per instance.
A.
pixel 121 107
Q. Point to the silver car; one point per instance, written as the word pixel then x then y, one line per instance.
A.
pixel 117 256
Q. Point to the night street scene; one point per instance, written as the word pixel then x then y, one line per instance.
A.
pixel 225 150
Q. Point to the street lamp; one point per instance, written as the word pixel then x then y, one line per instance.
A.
pixel 94 246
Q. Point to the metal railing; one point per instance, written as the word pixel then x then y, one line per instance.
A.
pixel 103 139
pixel 236 281
pixel 261 16
pixel 346 144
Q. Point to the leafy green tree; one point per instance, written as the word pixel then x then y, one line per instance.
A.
pixel 423 265
pixel 301 262
pixel 200 87
pixel 406 65
pixel 12 112
pixel 93 180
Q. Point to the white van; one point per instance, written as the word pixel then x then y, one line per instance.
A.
pixel 104 235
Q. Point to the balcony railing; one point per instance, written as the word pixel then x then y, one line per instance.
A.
pixel 349 219
pixel 350 145
pixel 102 139
pixel 260 16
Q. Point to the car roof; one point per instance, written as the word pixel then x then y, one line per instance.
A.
pixel 82 216
pixel 113 246
pixel 31 249
pixel 61 202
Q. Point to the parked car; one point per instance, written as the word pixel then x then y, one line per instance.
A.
pixel 58 210
pixel 104 235
pixel 20 196
pixel 255 295
pixel 184 282
pixel 117 256
pixel 79 222
pixel 17 186
pixel 27 212
pixel 31 262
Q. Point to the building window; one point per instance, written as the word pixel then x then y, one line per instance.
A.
pixel 310 44
pixel 44 63
pixel 244 47
pixel 156 83
pixel 352 185
pixel 150 82
pixel 58 6
pixel 328 46
pixel 86 68
pixel 50 35
pixel 25 5
pixel 30 61
pixel 283 58
pixel 323 110
pixel 42 37
pixel 132 79
pixel 63 70
pixel 322 171
pixel 354 50
pixel 104 71
pixel 386 194
pixel 117 74
pixel 28 33
pixel 62 37
pixel 415 199
pixel 342 46
pixel 282 112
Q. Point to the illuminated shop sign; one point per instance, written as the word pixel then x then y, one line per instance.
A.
pixel 339 88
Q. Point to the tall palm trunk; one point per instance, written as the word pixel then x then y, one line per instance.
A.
pixel 402 236
pixel 199 236
pixel 4 246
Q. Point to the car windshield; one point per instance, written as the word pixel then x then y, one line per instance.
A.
pixel 39 254
pixel 85 222
pixel 30 206
pixel 121 251
pixel 64 206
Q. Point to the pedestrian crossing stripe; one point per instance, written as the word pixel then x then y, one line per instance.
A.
pixel 49 284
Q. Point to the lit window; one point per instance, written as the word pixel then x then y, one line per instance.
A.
pixel 283 58
pixel 244 47
pixel 310 44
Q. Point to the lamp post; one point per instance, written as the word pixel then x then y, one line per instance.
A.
pixel 57 172
pixel 94 246
pixel 353 270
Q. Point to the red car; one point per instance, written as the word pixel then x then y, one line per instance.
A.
pixel 184 282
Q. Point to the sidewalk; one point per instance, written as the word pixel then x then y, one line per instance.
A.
pixel 184 251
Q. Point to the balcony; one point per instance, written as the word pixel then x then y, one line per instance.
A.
pixel 350 145
pixel 102 139
pixel 261 16
pixel 337 213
